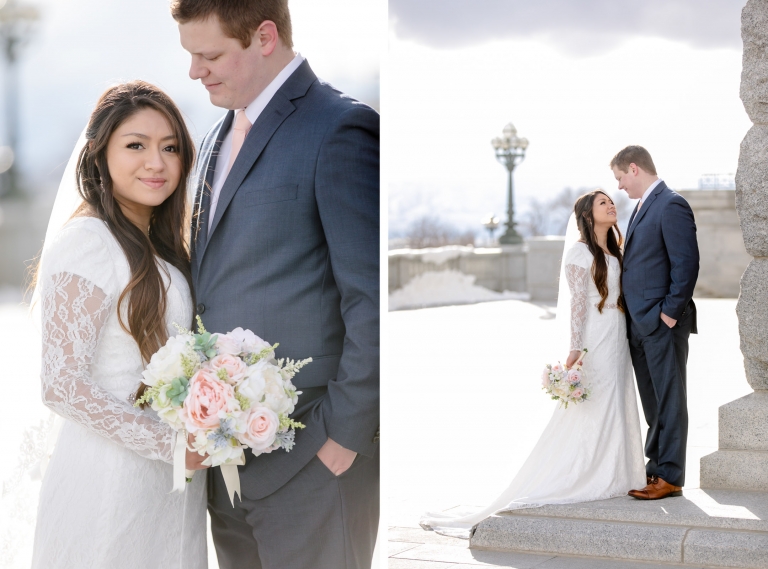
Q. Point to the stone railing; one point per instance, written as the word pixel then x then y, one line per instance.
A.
pixel 22 230
pixel 532 267
pixel 721 245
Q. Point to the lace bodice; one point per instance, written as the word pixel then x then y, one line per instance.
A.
pixel 90 365
pixel 584 295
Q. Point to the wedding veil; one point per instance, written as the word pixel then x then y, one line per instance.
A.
pixel 68 199
pixel 21 487
pixel 563 318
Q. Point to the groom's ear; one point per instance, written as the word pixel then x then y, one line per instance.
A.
pixel 266 37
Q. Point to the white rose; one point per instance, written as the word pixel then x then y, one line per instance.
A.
pixel 250 342
pixel 252 387
pixel 216 456
pixel 165 409
pixel 562 390
pixel 275 396
pixel 171 416
pixel 165 365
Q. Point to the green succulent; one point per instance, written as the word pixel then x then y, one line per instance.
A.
pixel 206 344
pixel 178 391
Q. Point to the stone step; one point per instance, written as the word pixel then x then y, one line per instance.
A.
pixel 743 423
pixel 714 528
pixel 741 469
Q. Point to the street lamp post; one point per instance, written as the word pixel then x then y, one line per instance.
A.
pixel 510 151
pixel 15 27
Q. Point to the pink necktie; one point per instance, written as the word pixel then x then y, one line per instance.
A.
pixel 239 132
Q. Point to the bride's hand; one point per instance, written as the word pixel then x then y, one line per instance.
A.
pixel 573 357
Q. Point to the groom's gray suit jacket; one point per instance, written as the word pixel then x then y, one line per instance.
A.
pixel 293 254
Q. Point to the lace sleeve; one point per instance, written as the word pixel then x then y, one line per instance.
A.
pixel 578 279
pixel 74 311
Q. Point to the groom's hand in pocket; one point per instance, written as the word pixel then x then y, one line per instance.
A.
pixel 193 459
pixel 335 457
pixel 668 321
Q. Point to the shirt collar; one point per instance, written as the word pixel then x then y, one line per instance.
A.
pixel 649 190
pixel 254 109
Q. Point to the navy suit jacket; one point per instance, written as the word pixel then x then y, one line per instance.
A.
pixel 661 260
pixel 293 255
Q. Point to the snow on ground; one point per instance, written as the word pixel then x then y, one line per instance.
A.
pixel 441 288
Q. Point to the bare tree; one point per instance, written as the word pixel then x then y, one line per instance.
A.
pixel 550 217
pixel 430 231
pixel 535 220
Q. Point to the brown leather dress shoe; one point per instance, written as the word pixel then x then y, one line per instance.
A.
pixel 657 489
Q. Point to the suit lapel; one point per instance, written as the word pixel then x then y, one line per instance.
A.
pixel 202 204
pixel 631 219
pixel 646 206
pixel 270 119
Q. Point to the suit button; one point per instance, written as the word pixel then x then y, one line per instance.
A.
pixel 200 308
pixel 376 437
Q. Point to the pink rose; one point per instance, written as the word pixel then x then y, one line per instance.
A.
pixel 545 378
pixel 249 341
pixel 226 344
pixel 577 393
pixel 557 368
pixel 234 366
pixel 574 376
pixel 209 398
pixel 262 424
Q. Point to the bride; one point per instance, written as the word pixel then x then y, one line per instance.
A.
pixel 113 279
pixel 592 450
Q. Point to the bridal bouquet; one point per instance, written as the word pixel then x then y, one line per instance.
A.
pixel 228 392
pixel 565 385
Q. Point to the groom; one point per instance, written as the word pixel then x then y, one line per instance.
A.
pixel 285 242
pixel 661 264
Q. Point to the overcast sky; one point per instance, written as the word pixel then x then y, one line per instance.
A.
pixel 578 26
pixel 81 47
pixel 580 80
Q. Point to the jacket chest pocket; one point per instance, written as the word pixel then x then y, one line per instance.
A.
pixel 259 196
pixel 645 229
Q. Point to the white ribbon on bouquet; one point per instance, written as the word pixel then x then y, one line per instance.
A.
pixel 181 475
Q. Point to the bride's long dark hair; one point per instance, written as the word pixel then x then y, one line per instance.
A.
pixel 145 295
pixel 585 221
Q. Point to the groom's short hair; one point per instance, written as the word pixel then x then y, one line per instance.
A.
pixel 238 18
pixel 634 155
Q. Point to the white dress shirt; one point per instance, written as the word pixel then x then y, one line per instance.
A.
pixel 252 111
pixel 649 190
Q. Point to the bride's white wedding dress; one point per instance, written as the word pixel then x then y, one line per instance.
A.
pixel 105 500
pixel 592 450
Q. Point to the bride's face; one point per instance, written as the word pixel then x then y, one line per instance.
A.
pixel 144 164
pixel 603 210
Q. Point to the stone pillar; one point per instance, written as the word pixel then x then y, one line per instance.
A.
pixel 742 459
